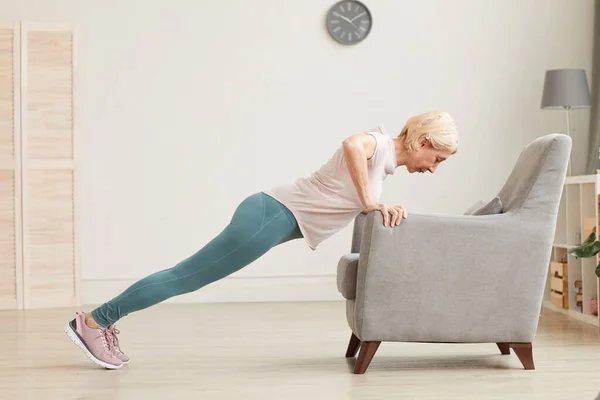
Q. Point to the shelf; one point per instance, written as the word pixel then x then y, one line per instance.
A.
pixel 577 218
pixel 575 180
pixel 564 246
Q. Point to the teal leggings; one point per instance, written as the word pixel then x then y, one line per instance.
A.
pixel 258 224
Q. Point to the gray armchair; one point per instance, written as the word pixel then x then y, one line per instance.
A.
pixel 458 278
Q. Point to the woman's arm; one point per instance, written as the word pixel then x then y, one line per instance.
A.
pixel 357 150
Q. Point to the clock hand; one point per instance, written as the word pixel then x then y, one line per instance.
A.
pixel 358 16
pixel 337 14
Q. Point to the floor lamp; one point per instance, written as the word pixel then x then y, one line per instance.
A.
pixel 566 89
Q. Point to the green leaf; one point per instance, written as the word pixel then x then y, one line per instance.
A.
pixel 590 239
pixel 585 248
pixel 598 270
pixel 585 251
pixel 577 251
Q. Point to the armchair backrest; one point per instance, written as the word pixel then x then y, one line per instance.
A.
pixel 537 179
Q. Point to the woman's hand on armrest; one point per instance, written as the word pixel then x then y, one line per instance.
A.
pixel 398 213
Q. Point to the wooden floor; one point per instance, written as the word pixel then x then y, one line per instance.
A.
pixel 283 351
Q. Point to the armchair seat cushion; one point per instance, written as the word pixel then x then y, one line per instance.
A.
pixel 347 270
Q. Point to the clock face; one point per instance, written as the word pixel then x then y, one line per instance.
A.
pixel 349 22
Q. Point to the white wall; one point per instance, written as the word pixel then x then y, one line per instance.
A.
pixel 184 108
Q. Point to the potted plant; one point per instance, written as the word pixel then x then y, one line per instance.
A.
pixel 589 248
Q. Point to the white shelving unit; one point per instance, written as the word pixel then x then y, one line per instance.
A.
pixel 577 215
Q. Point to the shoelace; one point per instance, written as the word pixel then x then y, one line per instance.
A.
pixel 108 339
pixel 113 332
pixel 109 336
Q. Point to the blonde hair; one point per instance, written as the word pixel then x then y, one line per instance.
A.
pixel 439 128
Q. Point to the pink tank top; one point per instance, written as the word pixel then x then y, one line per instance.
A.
pixel 326 201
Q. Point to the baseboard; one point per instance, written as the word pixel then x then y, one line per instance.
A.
pixel 230 289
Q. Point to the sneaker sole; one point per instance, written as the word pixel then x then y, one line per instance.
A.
pixel 75 338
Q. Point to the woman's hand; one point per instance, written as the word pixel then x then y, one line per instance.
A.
pixel 398 213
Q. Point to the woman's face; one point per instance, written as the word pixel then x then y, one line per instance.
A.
pixel 426 158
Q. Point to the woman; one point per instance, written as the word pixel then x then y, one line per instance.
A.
pixel 312 208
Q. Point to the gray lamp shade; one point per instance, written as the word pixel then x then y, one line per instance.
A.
pixel 566 88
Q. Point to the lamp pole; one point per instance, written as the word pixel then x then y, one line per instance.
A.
pixel 568 109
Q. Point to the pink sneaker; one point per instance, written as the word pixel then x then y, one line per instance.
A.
pixel 96 343
pixel 115 340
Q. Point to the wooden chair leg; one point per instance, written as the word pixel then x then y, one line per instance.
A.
pixel 367 351
pixel 353 346
pixel 525 353
pixel 504 348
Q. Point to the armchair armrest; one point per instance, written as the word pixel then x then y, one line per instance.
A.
pixel 452 278
pixel 357 232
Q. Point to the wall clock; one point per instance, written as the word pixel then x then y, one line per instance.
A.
pixel 349 22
